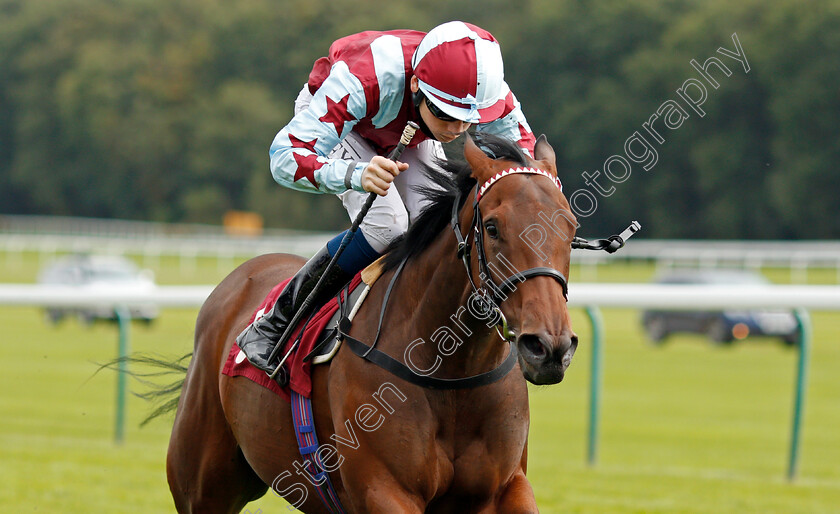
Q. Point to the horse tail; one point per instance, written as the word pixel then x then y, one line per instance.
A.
pixel 164 396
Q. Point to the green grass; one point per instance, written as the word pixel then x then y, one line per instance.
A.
pixel 686 427
pixel 689 427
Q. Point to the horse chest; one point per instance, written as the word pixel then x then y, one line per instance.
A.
pixel 477 455
pixel 473 477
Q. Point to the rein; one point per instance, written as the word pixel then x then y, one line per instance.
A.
pixel 491 297
pixel 395 367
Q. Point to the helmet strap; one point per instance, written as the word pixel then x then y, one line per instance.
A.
pixel 417 97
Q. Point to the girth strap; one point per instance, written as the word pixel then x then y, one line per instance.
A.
pixel 304 423
pixel 388 363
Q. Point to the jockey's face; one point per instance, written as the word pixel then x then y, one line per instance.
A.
pixel 444 131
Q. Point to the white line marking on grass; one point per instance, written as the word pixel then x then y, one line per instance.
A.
pixel 716 474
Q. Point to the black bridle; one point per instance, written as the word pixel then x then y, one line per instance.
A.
pixel 497 293
pixel 487 290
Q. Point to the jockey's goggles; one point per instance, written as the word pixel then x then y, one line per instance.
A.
pixel 437 112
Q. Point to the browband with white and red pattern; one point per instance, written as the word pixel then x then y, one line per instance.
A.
pixel 533 171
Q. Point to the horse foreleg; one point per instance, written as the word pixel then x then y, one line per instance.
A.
pixel 518 497
pixel 380 500
pixel 207 472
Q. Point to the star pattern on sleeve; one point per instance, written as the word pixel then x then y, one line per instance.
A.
pixel 299 143
pixel 307 166
pixel 337 113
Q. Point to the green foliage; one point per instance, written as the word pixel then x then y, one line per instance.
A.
pixel 165 110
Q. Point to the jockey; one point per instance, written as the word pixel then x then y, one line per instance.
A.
pixel 351 112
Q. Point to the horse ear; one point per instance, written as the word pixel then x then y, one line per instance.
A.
pixel 544 152
pixel 476 158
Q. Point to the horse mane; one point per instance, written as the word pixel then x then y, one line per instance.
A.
pixel 450 178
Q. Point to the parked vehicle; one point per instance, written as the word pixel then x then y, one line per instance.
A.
pixel 96 273
pixel 720 326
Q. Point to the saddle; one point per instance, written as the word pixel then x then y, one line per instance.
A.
pixel 316 337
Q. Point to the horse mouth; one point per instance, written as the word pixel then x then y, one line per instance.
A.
pixel 548 373
pixel 553 375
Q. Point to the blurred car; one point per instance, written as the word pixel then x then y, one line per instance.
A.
pixel 98 272
pixel 720 326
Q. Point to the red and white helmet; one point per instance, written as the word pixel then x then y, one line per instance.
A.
pixel 459 68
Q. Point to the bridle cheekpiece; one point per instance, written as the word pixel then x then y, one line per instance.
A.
pixel 487 289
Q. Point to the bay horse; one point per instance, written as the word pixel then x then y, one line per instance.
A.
pixel 412 448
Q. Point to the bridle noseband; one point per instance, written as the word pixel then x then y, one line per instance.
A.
pixel 487 289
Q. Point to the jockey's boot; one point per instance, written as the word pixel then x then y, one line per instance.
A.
pixel 258 340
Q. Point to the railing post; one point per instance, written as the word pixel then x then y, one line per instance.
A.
pixel 597 323
pixel 124 321
pixel 801 385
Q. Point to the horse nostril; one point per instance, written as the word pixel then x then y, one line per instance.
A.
pixel 534 345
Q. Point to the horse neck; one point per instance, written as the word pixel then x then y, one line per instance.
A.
pixel 433 292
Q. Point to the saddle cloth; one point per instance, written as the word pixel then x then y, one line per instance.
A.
pixel 323 324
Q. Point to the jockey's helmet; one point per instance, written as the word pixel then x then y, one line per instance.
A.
pixel 460 71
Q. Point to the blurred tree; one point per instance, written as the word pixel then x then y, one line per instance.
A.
pixel 230 145
pixel 164 110
pixel 802 76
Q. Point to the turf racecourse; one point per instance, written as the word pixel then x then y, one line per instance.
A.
pixel 688 427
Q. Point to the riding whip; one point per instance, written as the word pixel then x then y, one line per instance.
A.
pixel 407 135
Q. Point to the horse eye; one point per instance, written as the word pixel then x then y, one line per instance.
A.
pixel 492 231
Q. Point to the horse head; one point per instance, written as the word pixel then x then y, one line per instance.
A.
pixel 524 227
